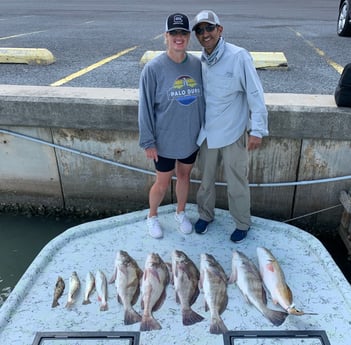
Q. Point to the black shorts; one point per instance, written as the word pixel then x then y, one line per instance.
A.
pixel 168 164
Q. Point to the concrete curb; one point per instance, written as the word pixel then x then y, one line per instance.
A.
pixel 269 60
pixel 30 56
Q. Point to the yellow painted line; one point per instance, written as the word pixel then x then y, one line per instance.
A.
pixel 20 35
pixel 268 60
pixel 30 56
pixel 320 52
pixel 92 67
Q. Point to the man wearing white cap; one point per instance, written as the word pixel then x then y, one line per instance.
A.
pixel 236 119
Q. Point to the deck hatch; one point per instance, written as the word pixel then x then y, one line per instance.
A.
pixel 86 338
pixel 309 337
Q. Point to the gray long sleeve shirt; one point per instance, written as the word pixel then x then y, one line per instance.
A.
pixel 234 98
pixel 171 106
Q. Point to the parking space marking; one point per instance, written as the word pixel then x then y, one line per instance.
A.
pixel 320 52
pixel 92 67
pixel 24 34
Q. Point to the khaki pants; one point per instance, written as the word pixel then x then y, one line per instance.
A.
pixel 235 164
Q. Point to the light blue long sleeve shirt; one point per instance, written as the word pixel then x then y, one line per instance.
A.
pixel 234 98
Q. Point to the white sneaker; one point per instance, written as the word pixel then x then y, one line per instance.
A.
pixel 154 227
pixel 184 223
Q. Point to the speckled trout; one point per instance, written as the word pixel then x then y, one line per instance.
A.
pixel 74 286
pixel 59 288
pixel 89 287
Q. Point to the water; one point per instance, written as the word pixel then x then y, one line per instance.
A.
pixel 22 238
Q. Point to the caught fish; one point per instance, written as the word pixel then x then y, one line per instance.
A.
pixel 127 276
pixel 101 289
pixel 213 282
pixel 59 288
pixel 186 284
pixel 248 279
pixel 74 286
pixel 274 280
pixel 154 282
pixel 89 287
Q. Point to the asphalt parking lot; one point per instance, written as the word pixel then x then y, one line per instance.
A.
pixel 100 44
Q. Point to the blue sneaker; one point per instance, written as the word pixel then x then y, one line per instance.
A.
pixel 239 235
pixel 201 226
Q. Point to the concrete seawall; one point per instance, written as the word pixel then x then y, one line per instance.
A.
pixel 309 140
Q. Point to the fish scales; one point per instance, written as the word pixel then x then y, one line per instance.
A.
pixel 59 288
pixel 127 275
pixel 101 289
pixel 213 282
pixel 74 286
pixel 186 284
pixel 89 287
pixel 247 277
pixel 274 280
pixel 154 282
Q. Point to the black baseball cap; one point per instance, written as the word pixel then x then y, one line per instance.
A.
pixel 177 21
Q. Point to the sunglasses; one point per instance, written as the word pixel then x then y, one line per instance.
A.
pixel 178 32
pixel 208 28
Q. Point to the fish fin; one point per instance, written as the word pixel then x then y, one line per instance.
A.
pixel 223 305
pixel 190 317
pixel 131 317
pixel 294 311
pixel 275 316
pixel 160 301
pixel 148 323
pixel 155 274
pixel 104 307
pixel 264 295
pixel 201 281
pixel 206 307
pixel 194 296
pixel 113 278
pixel 218 327
pixel 136 295
pixel 233 277
pixel 119 299
pixel 69 304
pixel 289 292
pixel 86 301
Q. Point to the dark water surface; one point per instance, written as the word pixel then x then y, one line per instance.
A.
pixel 22 238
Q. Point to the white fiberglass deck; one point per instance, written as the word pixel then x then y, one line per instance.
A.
pixel 316 282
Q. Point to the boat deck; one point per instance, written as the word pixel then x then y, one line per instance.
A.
pixel 317 283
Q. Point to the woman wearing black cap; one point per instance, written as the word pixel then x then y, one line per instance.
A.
pixel 171 111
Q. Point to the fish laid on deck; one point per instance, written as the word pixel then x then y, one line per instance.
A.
pixel 59 288
pixel 89 287
pixel 154 282
pixel 248 279
pixel 101 289
pixel 74 286
pixel 274 280
pixel 127 275
pixel 213 282
pixel 186 284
